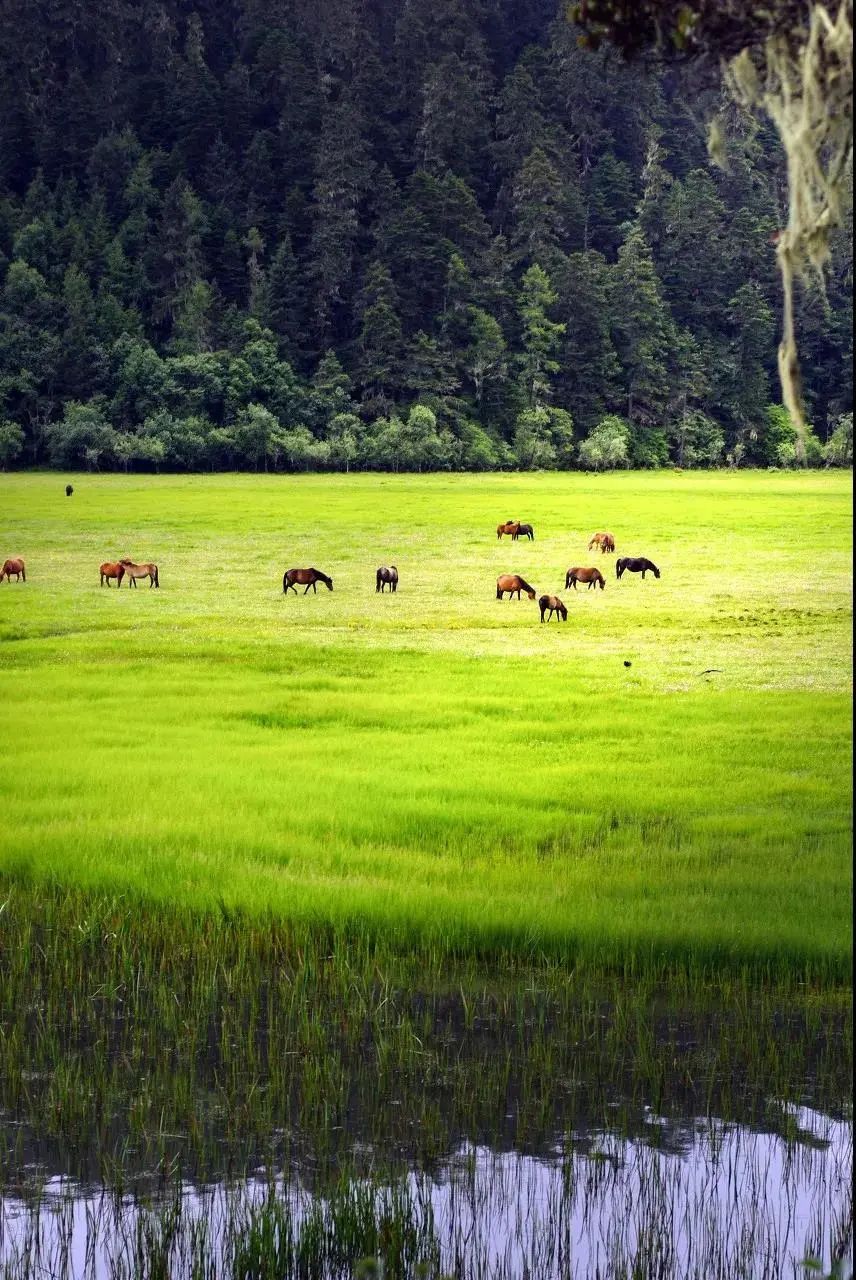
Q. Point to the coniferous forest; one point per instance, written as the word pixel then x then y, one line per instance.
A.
pixel 395 234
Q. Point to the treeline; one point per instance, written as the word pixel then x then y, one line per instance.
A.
pixel 361 233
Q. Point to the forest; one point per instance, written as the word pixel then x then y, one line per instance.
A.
pixel 367 234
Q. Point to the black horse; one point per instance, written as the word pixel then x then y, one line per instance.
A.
pixel 635 564
pixel 387 577
pixel 526 530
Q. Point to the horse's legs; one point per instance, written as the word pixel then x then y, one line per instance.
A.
pixel 308 585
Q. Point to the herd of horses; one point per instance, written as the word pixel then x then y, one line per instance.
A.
pixel 509 584
pixel 512 584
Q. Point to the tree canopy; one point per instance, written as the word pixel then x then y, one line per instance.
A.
pixel 271 235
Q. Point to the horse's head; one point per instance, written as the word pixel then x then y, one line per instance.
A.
pixel 531 595
pixel 329 584
pixel 656 571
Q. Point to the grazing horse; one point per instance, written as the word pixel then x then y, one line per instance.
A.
pixel 554 605
pixel 509 526
pixel 512 582
pixel 15 566
pixel 635 564
pixel 109 571
pixel 605 541
pixel 525 529
pixel 134 571
pixel 593 577
pixel 386 577
pixel 307 576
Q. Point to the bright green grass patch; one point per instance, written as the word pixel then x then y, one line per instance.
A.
pixel 437 766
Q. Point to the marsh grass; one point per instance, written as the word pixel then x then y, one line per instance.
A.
pixel 333 889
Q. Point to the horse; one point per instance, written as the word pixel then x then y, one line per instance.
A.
pixel 68 490
pixel 554 605
pixel 386 577
pixel 509 526
pixel 635 564
pixel 307 576
pixel 109 571
pixel 593 577
pixel 15 566
pixel 512 582
pixel 605 541
pixel 134 571
pixel 524 529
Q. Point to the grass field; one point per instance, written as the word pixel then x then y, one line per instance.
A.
pixel 436 767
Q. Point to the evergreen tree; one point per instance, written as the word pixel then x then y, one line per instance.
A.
pixel 540 337
pixel 642 329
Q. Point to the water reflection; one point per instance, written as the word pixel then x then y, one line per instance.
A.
pixel 688 1198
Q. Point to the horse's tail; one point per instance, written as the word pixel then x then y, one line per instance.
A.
pixel 157 579
pixel 285 581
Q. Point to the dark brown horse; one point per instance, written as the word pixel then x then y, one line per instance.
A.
pixel 387 577
pixel 635 564
pixel 309 577
pixel 552 604
pixel 509 526
pixel 605 541
pixel 109 571
pixel 526 531
pixel 134 571
pixel 15 566
pixel 593 577
pixel 512 582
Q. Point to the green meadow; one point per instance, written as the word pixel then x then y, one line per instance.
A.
pixel 435 768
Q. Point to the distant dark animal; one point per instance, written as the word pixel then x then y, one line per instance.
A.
pixel 627 662
pixel 512 582
pixel 134 571
pixel 605 541
pixel 109 571
pixel 387 577
pixel 68 490
pixel 509 526
pixel 592 576
pixel 526 530
pixel 552 604
pixel 307 576
pixel 635 564
pixel 13 566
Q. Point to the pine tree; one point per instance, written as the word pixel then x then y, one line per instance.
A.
pixel 379 343
pixel 540 337
pixel 642 329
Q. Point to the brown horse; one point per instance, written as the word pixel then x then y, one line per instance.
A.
pixel 512 582
pixel 593 577
pixel 552 604
pixel 307 576
pixel 509 526
pixel 109 571
pixel 15 566
pixel 605 541
pixel 386 577
pixel 134 571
